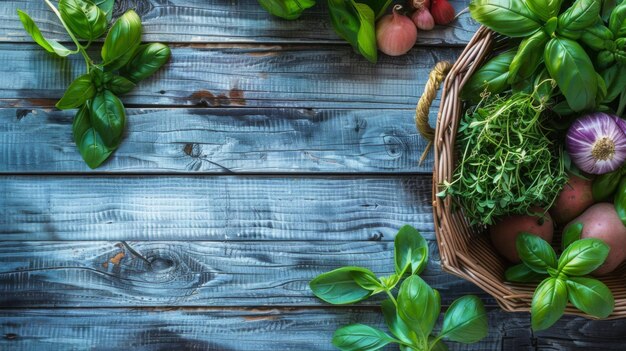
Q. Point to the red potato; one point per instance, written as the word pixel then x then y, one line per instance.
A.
pixel 601 221
pixel 573 200
pixel 504 232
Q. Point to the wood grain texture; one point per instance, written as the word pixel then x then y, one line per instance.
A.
pixel 222 141
pixel 211 75
pixel 220 21
pixel 265 329
pixel 178 273
pixel 212 208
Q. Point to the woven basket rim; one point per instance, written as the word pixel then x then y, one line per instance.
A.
pixel 465 252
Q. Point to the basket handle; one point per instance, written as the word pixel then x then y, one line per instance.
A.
pixel 436 76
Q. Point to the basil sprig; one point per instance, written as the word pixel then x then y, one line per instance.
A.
pixel 353 20
pixel 565 278
pixel 411 314
pixel 101 118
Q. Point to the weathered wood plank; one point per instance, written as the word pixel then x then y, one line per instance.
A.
pixel 219 21
pixel 234 75
pixel 212 208
pixel 265 329
pixel 178 273
pixel 222 141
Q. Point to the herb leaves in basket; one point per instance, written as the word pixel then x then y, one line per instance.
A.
pixel 565 278
pixel 509 161
pixel 410 315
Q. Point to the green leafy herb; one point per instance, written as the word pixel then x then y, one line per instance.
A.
pixel 99 123
pixel 353 20
pixel 564 278
pixel 411 316
pixel 508 159
pixel 492 77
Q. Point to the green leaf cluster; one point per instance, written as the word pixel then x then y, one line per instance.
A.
pixel 100 121
pixel 555 38
pixel 412 315
pixel 509 160
pixel 353 20
pixel 563 279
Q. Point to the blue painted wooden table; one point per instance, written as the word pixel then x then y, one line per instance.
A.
pixel 265 153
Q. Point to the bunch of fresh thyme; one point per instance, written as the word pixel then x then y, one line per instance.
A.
pixel 508 161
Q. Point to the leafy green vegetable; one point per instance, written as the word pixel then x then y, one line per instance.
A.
pixel 535 252
pixel 287 9
pixel 571 233
pixel 354 22
pixel 529 56
pixel 108 118
pixel 509 17
pixel 508 159
pixel 567 281
pixel 410 250
pixel 81 90
pixel 147 60
pixel 569 64
pixel 544 9
pixel 521 273
pixel 359 337
pixel 339 287
pixel 411 316
pixel 84 18
pixel 590 296
pixel 491 77
pixel 548 303
pixel 582 14
pixel 465 321
pixel 51 45
pixel 122 41
pixel 99 123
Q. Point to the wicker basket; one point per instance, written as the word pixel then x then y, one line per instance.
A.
pixel 466 251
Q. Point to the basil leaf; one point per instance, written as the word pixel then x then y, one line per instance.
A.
pixel 583 257
pixel 395 324
pixel 569 65
pixel 147 60
pixel 338 286
pixel 615 78
pixel 418 305
pixel 617 21
pixel 548 303
pixel 410 249
pixel 92 149
pixel 360 337
pixel 529 56
pixel 84 18
pixel 492 77
pixel 81 123
pixel 544 9
pixel 287 9
pixel 355 25
pixel 597 37
pixel 366 37
pixel 582 14
pixel 465 321
pixel 122 41
pixel 79 91
pixel 571 233
pixel 107 7
pixel 590 296
pixel 509 17
pixel 367 280
pixel 378 6
pixel 119 85
pixel 51 46
pixel 520 273
pixel 535 252
pixel 108 118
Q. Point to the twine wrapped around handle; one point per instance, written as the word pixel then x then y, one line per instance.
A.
pixel 435 78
